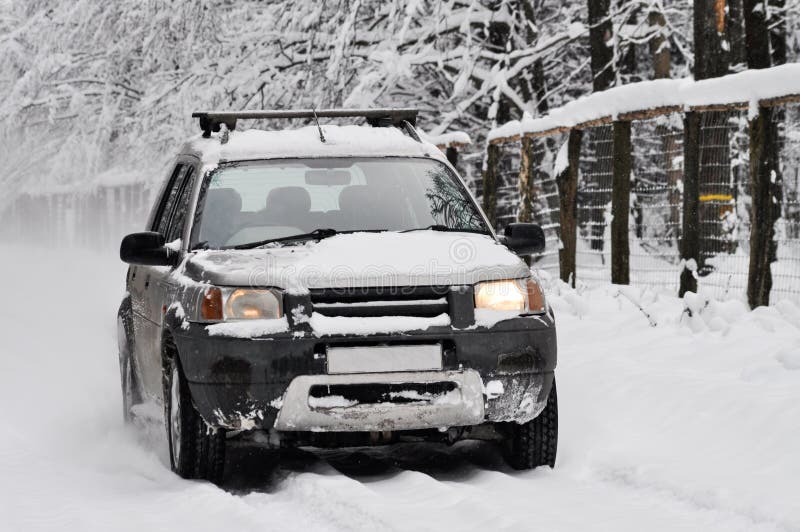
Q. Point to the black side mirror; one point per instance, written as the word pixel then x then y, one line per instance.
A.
pixel 524 239
pixel 148 249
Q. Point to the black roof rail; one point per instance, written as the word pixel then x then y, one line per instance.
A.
pixel 402 118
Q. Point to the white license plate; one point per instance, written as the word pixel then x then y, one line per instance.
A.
pixel 384 358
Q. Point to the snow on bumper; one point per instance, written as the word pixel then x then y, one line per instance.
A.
pixel 242 383
pixel 415 400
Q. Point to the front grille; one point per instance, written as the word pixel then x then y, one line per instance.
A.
pixel 419 301
pixel 370 394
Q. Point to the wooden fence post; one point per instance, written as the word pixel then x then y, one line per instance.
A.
pixel 525 180
pixel 766 196
pixel 690 233
pixel 490 183
pixel 621 202
pixel 452 155
pixel 567 182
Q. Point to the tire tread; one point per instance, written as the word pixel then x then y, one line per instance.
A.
pixel 535 443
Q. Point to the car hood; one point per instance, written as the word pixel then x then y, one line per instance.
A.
pixel 420 258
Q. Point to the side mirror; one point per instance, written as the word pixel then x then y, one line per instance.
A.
pixel 148 249
pixel 524 238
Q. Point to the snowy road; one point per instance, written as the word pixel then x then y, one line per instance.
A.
pixel 683 426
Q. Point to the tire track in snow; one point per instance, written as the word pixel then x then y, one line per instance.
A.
pixel 701 501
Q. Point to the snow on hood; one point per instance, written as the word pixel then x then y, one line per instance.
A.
pixel 361 260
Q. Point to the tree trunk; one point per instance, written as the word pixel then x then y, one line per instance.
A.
pixel 711 58
pixel 736 32
pixel 765 190
pixel 534 85
pixel 757 35
pixel 690 234
pixel 621 203
pixel 778 32
pixel 490 172
pixel 601 34
pixel 499 33
pixel 568 212
pixel 659 46
pixel 767 141
pixel 627 62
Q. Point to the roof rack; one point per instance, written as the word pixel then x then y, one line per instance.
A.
pixel 402 118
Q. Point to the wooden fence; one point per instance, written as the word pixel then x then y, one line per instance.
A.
pixel 674 197
pixel 92 218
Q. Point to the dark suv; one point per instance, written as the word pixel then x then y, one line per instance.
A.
pixel 332 286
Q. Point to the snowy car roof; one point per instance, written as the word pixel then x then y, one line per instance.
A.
pixel 340 141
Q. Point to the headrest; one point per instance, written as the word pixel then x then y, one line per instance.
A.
pixel 224 200
pixel 288 199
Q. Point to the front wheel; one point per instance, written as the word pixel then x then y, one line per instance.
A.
pixel 534 443
pixel 196 450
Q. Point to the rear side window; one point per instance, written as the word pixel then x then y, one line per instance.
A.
pixel 167 200
pixel 175 229
pixel 165 211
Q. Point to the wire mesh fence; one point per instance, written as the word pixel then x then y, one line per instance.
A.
pixel 508 193
pixel 593 254
pixel 786 269
pixel 656 202
pixel 724 203
pixel 656 212
pixel 96 218
pixel 544 200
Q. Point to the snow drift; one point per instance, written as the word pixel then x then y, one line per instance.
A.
pixel 691 424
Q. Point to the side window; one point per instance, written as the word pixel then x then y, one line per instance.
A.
pixel 161 220
pixel 175 230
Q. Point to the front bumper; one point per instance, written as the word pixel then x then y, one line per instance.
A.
pixel 502 373
pixel 463 406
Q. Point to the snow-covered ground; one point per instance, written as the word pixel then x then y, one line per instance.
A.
pixel 693 424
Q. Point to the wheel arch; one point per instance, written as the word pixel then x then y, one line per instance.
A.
pixel 124 323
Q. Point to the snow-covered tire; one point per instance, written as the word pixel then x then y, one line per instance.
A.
pixel 196 450
pixel 534 443
pixel 131 394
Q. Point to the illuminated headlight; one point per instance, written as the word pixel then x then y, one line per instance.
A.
pixel 220 304
pixel 518 295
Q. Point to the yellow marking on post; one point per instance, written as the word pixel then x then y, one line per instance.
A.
pixel 716 197
pixel 720 12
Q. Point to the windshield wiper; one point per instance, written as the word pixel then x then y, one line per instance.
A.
pixel 446 229
pixel 316 234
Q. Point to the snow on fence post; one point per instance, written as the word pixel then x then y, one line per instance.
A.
pixel 567 181
pixel 490 183
pixel 621 202
pixel 690 233
pixel 765 186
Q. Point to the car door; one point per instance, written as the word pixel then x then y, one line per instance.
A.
pixel 161 292
pixel 147 286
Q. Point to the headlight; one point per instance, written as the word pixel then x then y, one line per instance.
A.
pixel 519 295
pixel 219 304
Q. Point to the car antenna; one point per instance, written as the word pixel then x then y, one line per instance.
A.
pixel 316 119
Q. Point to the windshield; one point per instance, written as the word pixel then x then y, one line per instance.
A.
pixel 266 200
